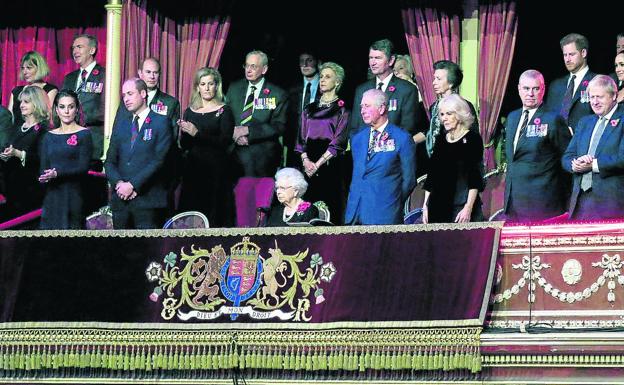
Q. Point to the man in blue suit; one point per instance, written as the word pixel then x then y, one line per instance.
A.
pixel 384 166
pixel 595 156
pixel 402 95
pixel 568 95
pixel 135 159
pixel 536 187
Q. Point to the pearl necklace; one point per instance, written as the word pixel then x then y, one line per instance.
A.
pixel 286 217
pixel 27 128
pixel 323 103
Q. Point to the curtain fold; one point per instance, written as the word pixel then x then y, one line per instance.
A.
pixel 432 33
pixel 182 44
pixel 498 24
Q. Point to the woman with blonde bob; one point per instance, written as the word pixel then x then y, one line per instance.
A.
pixel 456 172
pixel 21 156
pixel 206 130
pixel 33 71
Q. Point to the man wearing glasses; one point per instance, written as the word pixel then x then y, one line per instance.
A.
pixel 259 109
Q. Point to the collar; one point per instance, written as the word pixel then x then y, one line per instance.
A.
pixel 385 81
pixel 89 68
pixel 580 74
pixel 151 95
pixel 142 116
pixel 258 86
pixel 610 113
pixel 381 128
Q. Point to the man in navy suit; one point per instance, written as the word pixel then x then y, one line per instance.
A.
pixel 134 162
pixel 568 95
pixel 402 95
pixel 384 166
pixel 595 156
pixel 536 187
pixel 260 125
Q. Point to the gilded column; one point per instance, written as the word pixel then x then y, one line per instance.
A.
pixel 113 66
pixel 469 52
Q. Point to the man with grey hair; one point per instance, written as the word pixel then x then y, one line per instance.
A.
pixel 568 95
pixel 536 187
pixel 384 165
pixel 259 109
pixel 595 156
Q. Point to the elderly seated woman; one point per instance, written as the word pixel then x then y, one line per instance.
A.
pixel 290 185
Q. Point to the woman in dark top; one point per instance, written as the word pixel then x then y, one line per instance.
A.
pixel 65 156
pixel 290 185
pixel 456 172
pixel 23 192
pixel 33 70
pixel 206 132
pixel 323 139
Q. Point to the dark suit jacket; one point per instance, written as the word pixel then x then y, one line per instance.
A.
pixel 607 185
pixel 578 109
pixel 399 91
pixel 263 154
pixel 162 104
pixel 535 183
pixel 141 165
pixel 380 185
pixel 295 94
pixel 92 103
pixel 6 125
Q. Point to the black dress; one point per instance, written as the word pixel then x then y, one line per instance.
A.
pixel 63 202
pixel 23 191
pixel 207 184
pixel 455 169
pixel 305 213
pixel 17 112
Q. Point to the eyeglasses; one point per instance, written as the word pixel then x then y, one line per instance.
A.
pixel 282 188
pixel 250 67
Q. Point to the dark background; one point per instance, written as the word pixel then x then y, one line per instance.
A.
pixel 341 31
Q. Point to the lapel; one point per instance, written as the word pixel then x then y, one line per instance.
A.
pixel 142 131
pixel 582 87
pixel 587 134
pixel 616 119
pixel 512 127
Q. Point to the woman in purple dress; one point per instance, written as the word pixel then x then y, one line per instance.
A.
pixel 21 155
pixel 65 156
pixel 323 139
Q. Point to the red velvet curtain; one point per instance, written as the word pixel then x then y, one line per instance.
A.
pixel 182 44
pixel 432 34
pixel 53 43
pixel 498 24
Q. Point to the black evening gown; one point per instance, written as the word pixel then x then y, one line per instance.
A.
pixel 63 204
pixel 207 184
pixel 455 169
pixel 276 215
pixel 23 191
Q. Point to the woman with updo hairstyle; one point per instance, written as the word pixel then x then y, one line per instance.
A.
pixel 290 186
pixel 455 176
pixel 65 155
pixel 33 70
pixel 206 130
pixel 21 156
pixel 322 140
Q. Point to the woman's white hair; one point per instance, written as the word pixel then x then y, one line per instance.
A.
pixel 457 104
pixel 296 179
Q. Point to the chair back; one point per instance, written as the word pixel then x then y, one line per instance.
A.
pixel 493 195
pixel 188 220
pixel 100 220
pixel 323 210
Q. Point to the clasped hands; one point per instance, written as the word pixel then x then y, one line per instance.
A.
pixel 309 167
pixel 188 127
pixel 48 175
pixel 125 191
pixel 241 135
pixel 582 164
pixel 8 153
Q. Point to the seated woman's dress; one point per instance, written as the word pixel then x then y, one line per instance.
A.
pixel 455 169
pixel 69 154
pixel 305 213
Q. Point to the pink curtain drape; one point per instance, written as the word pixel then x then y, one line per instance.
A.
pixel 498 24
pixel 431 35
pixel 53 43
pixel 181 46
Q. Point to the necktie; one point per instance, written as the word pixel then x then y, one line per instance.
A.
pixel 566 103
pixel 248 107
pixel 523 127
pixel 373 141
pixel 83 81
pixel 380 86
pixel 586 180
pixel 306 95
pixel 134 130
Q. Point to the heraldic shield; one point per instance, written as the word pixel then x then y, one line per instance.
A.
pixel 242 273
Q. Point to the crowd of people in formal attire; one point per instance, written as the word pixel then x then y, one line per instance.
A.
pixel 564 153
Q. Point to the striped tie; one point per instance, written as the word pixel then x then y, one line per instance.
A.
pixel 134 130
pixel 248 108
